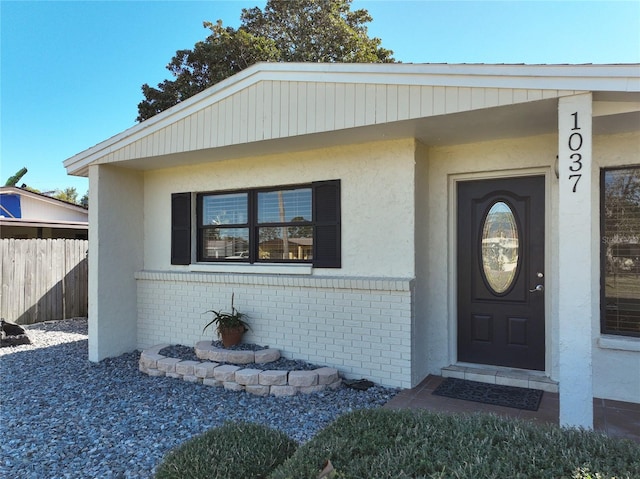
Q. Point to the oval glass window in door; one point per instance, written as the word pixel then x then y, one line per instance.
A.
pixel 500 253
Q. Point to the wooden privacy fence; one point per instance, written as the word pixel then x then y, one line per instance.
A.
pixel 43 279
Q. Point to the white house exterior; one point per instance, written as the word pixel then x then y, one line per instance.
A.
pixel 25 214
pixel 454 212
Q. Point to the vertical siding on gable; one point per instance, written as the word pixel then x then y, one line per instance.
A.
pixel 244 116
pixel 403 103
pixel 320 106
pixel 180 136
pixel 380 104
pixel 268 101
pixel 206 141
pixel 275 109
pixel 258 133
pixel 534 95
pixel 251 113
pixel 292 106
pixel 200 135
pixel 311 107
pixel 478 98
pixel 330 104
pixel 426 99
pixel 391 106
pixel 491 97
pixel 451 99
pixel 340 109
pixel 439 100
pixel 359 105
pixel 518 96
pixel 166 135
pixel 505 96
pixel 301 101
pixel 370 105
pixel 464 99
pixel 285 91
pixel 349 105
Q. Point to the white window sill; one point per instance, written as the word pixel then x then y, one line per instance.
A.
pixel 619 343
pixel 289 269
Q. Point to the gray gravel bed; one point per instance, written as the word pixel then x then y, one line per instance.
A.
pixel 64 417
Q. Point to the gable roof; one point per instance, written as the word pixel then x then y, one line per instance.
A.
pixel 49 200
pixel 20 207
pixel 284 106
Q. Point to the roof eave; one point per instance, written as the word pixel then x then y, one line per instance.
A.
pixel 615 77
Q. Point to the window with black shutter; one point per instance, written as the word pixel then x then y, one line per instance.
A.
pixel 283 224
pixel 620 251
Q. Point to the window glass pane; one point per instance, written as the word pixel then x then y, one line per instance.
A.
pixel 229 209
pixel 285 206
pixel 225 243
pixel 500 247
pixel 286 243
pixel 621 245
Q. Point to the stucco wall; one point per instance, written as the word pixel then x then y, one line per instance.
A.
pixel 115 255
pixel 376 192
pixel 423 324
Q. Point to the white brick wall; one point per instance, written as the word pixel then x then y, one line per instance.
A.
pixel 360 326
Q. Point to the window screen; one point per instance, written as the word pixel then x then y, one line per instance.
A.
pixel 621 251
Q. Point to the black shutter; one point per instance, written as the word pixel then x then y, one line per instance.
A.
pixel 181 228
pixel 326 218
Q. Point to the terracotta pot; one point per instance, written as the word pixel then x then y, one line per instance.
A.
pixel 231 336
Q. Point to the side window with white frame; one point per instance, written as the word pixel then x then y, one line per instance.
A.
pixel 620 251
pixel 283 224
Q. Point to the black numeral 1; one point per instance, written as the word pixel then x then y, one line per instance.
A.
pixel 575 121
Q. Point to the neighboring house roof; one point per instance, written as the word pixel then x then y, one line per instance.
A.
pixel 21 207
pixel 278 107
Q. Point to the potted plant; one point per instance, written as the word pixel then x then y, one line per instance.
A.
pixel 229 326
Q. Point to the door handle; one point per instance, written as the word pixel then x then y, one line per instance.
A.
pixel 538 289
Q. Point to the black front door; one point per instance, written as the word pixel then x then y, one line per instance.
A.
pixel 501 272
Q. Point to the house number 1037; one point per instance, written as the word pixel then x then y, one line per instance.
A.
pixel 575 145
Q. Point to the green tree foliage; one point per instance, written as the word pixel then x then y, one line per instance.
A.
pixel 70 195
pixel 286 31
pixel 316 31
pixel 13 180
pixel 225 52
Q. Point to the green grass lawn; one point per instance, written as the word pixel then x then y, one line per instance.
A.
pixel 383 443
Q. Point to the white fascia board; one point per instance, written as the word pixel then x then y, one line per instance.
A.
pixel 78 225
pixel 557 77
pixel 617 78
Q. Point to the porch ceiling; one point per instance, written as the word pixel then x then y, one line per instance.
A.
pixel 512 121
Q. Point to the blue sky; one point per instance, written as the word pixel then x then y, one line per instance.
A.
pixel 71 71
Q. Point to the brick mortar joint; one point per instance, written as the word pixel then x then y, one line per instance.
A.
pixel 399 285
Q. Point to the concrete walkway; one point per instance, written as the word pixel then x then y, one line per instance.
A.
pixel 615 418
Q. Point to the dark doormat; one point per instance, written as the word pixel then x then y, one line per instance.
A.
pixel 495 394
